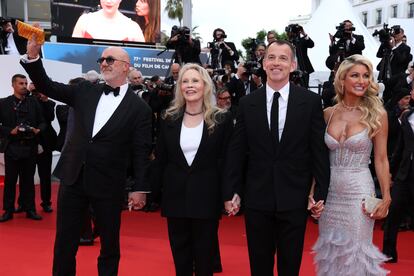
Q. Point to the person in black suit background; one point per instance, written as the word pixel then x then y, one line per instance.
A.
pixel 11 42
pixel 402 191
pixel 395 57
pixel 21 121
pixel 280 131
pixel 47 141
pixel 187 49
pixel 111 124
pixel 189 154
pixel 222 51
pixel 302 42
pixel 348 44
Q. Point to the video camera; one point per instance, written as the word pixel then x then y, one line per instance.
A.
pixel 252 67
pixel 294 29
pixel 341 32
pixel 386 33
pixel 24 131
pixel 183 34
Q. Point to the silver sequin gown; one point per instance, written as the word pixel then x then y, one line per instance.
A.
pixel 344 246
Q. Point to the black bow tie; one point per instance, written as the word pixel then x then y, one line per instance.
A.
pixel 108 89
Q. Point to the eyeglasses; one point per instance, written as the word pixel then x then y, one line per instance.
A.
pixel 109 60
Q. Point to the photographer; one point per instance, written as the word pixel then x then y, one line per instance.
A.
pixel 187 49
pixel 302 42
pixel 344 43
pixel 11 42
pixel 221 51
pixel 242 82
pixel 21 120
pixel 395 55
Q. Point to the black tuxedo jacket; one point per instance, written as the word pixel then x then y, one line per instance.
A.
pixel 278 181
pixel 399 60
pixel 192 191
pixel 103 158
pixel 21 42
pixel 402 161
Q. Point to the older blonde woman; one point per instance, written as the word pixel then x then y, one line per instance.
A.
pixel 355 125
pixel 190 149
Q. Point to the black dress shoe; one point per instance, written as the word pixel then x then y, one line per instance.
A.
pixel 19 209
pixel 8 215
pixel 33 215
pixel 83 241
pixel 47 208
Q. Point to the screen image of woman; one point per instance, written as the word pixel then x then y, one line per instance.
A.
pixel 148 18
pixel 108 23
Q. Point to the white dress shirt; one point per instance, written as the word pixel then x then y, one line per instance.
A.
pixel 106 107
pixel 11 48
pixel 411 121
pixel 283 101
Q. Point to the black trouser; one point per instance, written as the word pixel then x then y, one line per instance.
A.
pixel 44 169
pixel 270 232
pixel 73 203
pixel 402 194
pixel 23 168
pixel 193 242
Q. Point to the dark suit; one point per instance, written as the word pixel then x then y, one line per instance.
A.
pixel 48 139
pixel 278 180
pixel 225 56
pixel 93 169
pixel 402 193
pixel 192 195
pixel 398 60
pixel 20 154
pixel 352 49
pixel 62 117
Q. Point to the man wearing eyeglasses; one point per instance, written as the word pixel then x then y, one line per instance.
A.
pixel 110 122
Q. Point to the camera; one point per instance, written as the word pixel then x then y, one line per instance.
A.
pixel 165 87
pixel 251 67
pixel 216 45
pixel 341 32
pixel 182 32
pixel 24 131
pixel 386 33
pixel 294 28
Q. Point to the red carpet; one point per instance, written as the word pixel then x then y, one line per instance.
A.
pixel 26 247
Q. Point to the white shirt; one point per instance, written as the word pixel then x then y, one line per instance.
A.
pixel 106 107
pixel 283 101
pixel 11 45
pixel 190 139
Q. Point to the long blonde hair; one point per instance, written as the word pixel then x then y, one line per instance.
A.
pixel 370 105
pixel 211 111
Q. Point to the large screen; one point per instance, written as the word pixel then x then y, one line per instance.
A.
pixel 115 20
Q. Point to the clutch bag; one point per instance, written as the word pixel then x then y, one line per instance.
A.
pixel 370 203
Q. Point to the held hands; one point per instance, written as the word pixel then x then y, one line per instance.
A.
pixel 233 206
pixel 314 207
pixel 136 200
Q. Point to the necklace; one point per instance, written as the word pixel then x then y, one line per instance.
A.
pixel 193 114
pixel 349 108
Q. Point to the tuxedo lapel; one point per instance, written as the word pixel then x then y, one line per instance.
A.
pixel 258 111
pixel 90 110
pixel 407 123
pixel 292 115
pixel 118 114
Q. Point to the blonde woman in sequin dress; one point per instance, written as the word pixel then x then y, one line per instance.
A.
pixel 355 125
